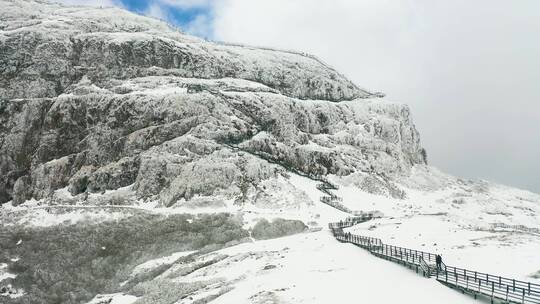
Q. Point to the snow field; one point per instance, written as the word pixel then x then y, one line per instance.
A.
pixel 454 220
pixel 314 268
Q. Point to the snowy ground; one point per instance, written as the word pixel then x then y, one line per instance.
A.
pixel 170 259
pixel 312 268
pixel 454 221
pixel 441 215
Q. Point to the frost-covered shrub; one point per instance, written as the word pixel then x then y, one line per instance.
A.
pixel 72 263
pixel 277 228
pixel 163 291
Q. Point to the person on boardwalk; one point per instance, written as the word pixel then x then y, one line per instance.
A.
pixel 438 261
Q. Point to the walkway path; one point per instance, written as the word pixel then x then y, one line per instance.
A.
pixel 495 288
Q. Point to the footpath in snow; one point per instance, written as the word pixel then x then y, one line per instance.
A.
pixel 314 268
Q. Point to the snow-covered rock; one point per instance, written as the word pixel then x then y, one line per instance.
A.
pixel 97 99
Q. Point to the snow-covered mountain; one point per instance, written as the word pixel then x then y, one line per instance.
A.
pixel 157 149
pixel 97 99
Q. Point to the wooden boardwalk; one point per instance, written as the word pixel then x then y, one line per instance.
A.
pixel 495 288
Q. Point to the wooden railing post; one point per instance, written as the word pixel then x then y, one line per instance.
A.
pixel 479 284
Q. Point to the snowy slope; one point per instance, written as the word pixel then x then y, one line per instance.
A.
pixel 453 217
pixel 314 268
pixel 305 268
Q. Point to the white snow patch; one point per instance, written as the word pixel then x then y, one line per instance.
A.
pixel 41 217
pixel 315 268
pixel 161 91
pixel 211 290
pixel 454 218
pixel 148 265
pixel 4 274
pixel 115 298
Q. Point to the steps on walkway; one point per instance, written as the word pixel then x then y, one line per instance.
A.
pixel 330 198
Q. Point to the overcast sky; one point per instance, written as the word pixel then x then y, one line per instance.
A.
pixel 470 70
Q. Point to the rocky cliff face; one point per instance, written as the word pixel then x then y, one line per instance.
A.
pixel 98 99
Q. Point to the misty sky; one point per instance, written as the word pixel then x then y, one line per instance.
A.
pixel 470 70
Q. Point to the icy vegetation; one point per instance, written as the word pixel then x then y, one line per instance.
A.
pixel 139 164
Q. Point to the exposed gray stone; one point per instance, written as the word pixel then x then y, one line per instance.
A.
pixel 78 183
pixel 277 228
pixel 20 190
pixel 114 175
pixel 98 103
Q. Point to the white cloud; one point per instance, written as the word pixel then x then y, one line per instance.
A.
pixel 157 11
pixel 201 26
pixel 469 69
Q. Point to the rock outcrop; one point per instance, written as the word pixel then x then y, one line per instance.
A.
pixel 93 102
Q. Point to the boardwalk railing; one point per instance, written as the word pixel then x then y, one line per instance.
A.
pixel 515 227
pixel 325 185
pixel 392 253
pixel 350 221
pixel 473 282
pixel 330 198
pixel 419 260
pixel 509 290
